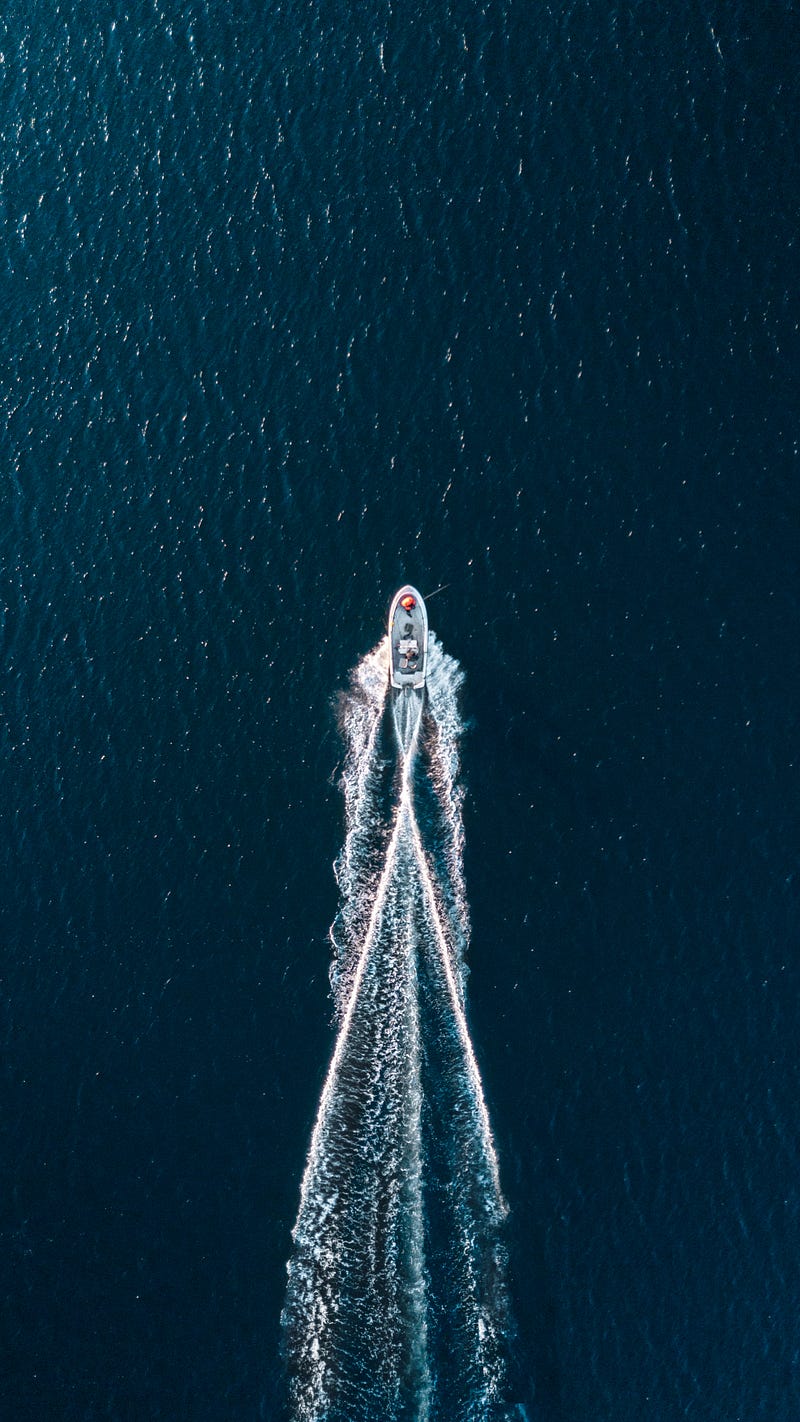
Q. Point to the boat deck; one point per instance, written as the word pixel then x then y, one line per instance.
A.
pixel 408 641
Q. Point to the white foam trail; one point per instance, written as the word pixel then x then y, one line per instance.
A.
pixel 374 921
pixel 418 1291
pixel 362 723
pixel 378 1314
pixel 362 712
pixel 460 1020
pixel 444 681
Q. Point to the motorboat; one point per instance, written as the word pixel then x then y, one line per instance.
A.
pixel 408 639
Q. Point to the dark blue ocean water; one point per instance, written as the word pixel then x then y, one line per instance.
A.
pixel 296 303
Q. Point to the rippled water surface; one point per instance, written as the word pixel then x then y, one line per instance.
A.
pixel 298 303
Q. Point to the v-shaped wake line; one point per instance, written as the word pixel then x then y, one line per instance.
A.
pixel 460 1019
pixel 395 1305
pixel 403 809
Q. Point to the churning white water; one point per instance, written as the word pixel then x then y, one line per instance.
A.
pixel 396 1305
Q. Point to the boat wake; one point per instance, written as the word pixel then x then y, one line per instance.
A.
pixel 396 1301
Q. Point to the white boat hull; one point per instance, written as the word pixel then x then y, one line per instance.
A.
pixel 408 640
